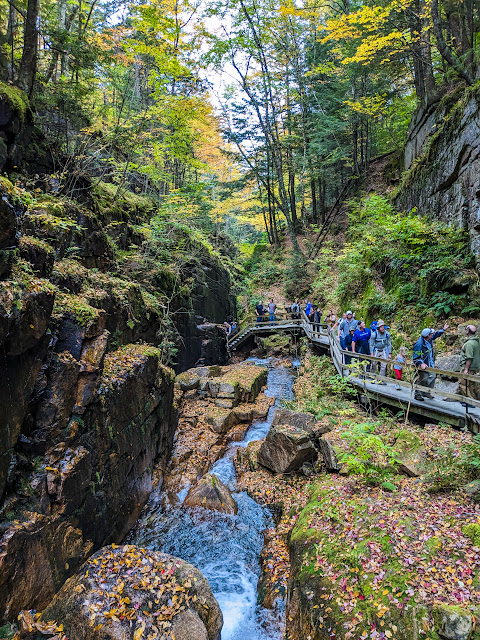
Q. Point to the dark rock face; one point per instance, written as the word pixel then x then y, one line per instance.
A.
pixel 445 180
pixel 84 420
pixel 101 448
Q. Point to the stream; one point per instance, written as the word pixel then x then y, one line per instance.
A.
pixel 225 548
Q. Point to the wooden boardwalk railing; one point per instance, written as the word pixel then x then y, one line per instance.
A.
pixel 373 388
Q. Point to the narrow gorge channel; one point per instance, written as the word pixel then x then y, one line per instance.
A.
pixel 225 548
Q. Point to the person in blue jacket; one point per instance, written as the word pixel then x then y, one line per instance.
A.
pixel 361 342
pixel 361 339
pixel 423 357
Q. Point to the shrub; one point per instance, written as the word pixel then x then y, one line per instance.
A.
pixel 368 456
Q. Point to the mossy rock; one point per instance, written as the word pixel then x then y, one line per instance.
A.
pixel 16 99
pixel 453 622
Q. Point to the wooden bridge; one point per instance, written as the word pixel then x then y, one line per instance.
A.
pixel 373 389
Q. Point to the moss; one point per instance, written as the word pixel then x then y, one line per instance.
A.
pixel 472 531
pixel 31 241
pixel 114 203
pixel 407 441
pixel 16 98
pixel 120 363
pixel 77 306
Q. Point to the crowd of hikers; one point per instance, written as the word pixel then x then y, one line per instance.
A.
pixel 354 336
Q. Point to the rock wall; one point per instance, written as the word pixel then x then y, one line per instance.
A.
pixel 442 158
pixel 86 407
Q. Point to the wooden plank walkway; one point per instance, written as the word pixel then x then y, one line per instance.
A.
pixel 374 389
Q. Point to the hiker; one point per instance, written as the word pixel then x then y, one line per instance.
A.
pixel 344 327
pixel 308 307
pixel 296 310
pixel 318 316
pixel 228 328
pixel 348 344
pixel 259 312
pixel 361 339
pixel 361 344
pixel 400 360
pixel 272 307
pixel 470 364
pixel 311 315
pixel 380 347
pixel 233 328
pixel 331 320
pixel 423 357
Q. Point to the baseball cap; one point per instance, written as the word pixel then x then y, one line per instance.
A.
pixel 349 313
pixel 380 323
pixel 426 332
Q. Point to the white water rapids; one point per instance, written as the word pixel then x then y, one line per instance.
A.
pixel 225 548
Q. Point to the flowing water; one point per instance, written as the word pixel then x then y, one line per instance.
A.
pixel 225 548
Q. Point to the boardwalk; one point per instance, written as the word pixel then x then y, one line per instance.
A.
pixel 373 389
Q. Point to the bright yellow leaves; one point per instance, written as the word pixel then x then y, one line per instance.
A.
pixel 373 32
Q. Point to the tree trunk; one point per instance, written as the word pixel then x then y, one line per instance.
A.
pixel 314 200
pixel 28 64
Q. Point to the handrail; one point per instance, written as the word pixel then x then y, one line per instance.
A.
pixel 315 330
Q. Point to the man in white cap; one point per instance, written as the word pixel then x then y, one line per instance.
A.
pixel 423 357
pixel 344 327
pixel 380 347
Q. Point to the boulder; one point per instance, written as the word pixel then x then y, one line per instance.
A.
pixel 127 593
pixel 300 420
pixel 305 421
pixel 448 363
pixel 285 449
pixel 221 419
pixel 211 493
pixel 473 490
pixel 329 456
pixel 453 623
pixel 411 456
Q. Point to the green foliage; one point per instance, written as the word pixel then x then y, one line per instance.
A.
pixel 454 467
pixel 397 263
pixel 367 455
pixel 472 531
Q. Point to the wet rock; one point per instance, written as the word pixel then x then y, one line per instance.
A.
pixel 453 623
pixel 91 365
pixel 211 493
pixel 329 455
pixel 182 605
pixel 100 482
pixel 55 408
pixel 286 449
